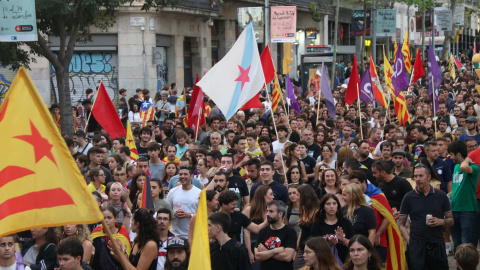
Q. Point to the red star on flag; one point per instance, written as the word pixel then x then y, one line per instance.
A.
pixel 42 147
pixel 243 75
pixel 389 74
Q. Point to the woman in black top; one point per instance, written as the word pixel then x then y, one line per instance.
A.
pixel 331 225
pixel 359 212
pixel 308 208
pixel 145 246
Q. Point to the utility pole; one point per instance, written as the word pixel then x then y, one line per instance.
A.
pixel 373 31
pixel 267 22
pixel 335 45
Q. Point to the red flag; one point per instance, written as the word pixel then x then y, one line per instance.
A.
pixel 418 71
pixel 147 200
pixel 196 108
pixel 353 84
pixel 253 103
pixel 106 114
pixel 267 65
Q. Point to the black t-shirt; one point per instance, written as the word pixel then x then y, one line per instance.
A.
pixel 238 184
pixel 279 178
pixel 309 164
pixel 238 220
pixel 270 157
pixel 363 220
pixel 322 229
pixel 395 190
pixel 294 137
pixel 280 192
pixel 232 256
pixel 285 237
pixel 314 151
pixel 418 150
pixel 142 152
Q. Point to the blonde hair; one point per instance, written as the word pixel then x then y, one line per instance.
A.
pixel 82 234
pixel 356 199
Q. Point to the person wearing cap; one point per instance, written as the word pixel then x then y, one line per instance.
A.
pixel 178 254
pixel 394 187
pixel 398 157
pixel 471 125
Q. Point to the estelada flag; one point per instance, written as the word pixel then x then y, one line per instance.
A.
pixel 276 95
pixel 106 114
pixel 131 143
pixel 40 184
pixel 406 54
pixel 146 112
pixel 147 200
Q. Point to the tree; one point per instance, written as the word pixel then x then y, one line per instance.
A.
pixel 70 20
pixel 449 34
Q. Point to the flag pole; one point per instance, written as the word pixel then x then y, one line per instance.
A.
pixel 274 125
pixel 434 109
pixel 359 112
pixel 318 105
pixel 388 109
pixel 115 248
pixel 198 123
pixel 90 115
pixel 411 77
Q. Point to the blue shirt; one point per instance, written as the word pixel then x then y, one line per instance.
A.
pixel 444 173
pixel 280 192
pixel 464 136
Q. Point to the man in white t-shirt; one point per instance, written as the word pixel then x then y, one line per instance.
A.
pixel 184 201
pixel 8 260
pixel 279 144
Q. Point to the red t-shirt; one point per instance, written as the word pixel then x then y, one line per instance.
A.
pixel 475 157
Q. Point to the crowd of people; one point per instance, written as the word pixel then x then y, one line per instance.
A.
pixel 284 190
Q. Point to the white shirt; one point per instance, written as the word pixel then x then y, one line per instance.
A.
pixel 186 200
pixel 13 267
pixel 278 146
pixel 134 117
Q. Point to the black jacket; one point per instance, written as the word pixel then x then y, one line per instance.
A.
pixel 232 256
pixel 46 258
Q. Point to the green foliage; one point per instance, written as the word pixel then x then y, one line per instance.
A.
pixel 315 11
pixel 158 4
pixel 11 55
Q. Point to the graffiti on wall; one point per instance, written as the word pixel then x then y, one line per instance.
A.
pixel 6 78
pixel 86 70
pixel 160 60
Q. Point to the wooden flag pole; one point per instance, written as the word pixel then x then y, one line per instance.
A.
pixel 275 125
pixel 318 105
pixel 115 248
pixel 388 106
pixel 359 112
pixel 411 77
pixel 198 123
pixel 90 115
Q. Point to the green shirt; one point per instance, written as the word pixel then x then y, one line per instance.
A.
pixel 464 186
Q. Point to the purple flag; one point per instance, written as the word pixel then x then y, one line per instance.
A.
pixel 291 95
pixel 327 93
pixel 366 93
pixel 400 77
pixel 435 76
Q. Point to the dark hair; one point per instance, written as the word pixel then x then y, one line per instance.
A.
pixel 281 207
pixel 222 219
pixel 165 211
pixel 264 139
pixel 109 209
pixel 215 155
pixel 358 174
pixel 227 196
pixel 134 188
pixel 147 228
pixel 374 262
pixel 289 175
pixel 125 150
pixel 321 216
pixel 267 163
pixel 325 257
pixel 351 163
pixel 309 204
pixel 83 159
pixel 71 246
pixel 153 146
pixel 382 165
pixel 424 163
pixel 120 140
pixel 211 194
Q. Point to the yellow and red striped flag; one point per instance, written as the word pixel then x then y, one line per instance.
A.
pixel 395 48
pixel 406 53
pixel 131 143
pixel 276 94
pixel 377 87
pixel 40 184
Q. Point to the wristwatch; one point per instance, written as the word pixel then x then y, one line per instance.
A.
pixel 191 215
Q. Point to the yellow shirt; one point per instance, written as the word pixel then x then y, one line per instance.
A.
pixel 92 188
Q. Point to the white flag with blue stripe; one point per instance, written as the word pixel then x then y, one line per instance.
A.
pixel 238 77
